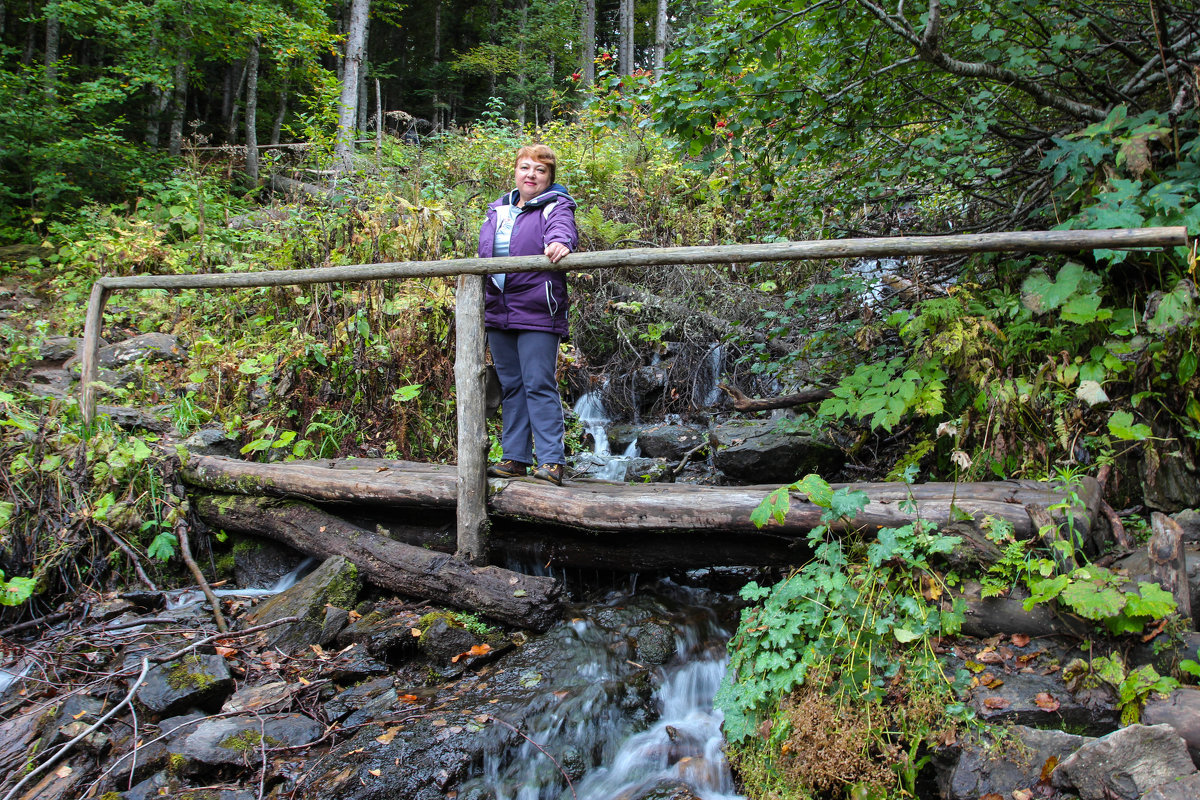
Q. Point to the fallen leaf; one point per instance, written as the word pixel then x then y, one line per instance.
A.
pixel 63 771
pixel 974 666
pixel 322 529
pixel 80 714
pixel 1048 768
pixel 1022 794
pixel 1020 639
pixel 416 632
pixel 387 736
pixel 303 681
pixel 990 796
pixel 409 698
pixel 439 723
pixel 995 703
pixel 375 772
pixel 381 469
pixel 226 652
pixel 355 616
pixel 1046 702
pixel 989 656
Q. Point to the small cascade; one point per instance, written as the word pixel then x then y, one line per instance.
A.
pixel 708 391
pixel 595 420
pixel 190 596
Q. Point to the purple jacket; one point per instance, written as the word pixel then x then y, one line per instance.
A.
pixel 531 301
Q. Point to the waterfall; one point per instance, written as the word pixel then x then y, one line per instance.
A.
pixel 185 597
pixel 605 465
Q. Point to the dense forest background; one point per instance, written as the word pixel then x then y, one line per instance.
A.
pixel 183 136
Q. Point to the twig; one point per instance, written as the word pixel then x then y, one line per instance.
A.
pixel 48 619
pixel 53 759
pixel 1118 528
pixel 688 457
pixel 224 635
pixel 132 556
pixel 539 747
pixel 185 549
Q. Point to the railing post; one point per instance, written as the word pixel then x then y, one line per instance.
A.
pixel 470 378
pixel 91 350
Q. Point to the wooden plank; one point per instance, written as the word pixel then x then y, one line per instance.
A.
pixel 470 380
pixel 90 355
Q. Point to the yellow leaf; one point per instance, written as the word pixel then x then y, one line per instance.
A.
pixel 375 772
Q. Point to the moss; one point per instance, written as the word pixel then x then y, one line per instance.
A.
pixel 176 762
pixel 245 546
pixel 189 674
pixel 111 796
pixel 225 564
pixel 343 590
pixel 457 619
pixel 247 741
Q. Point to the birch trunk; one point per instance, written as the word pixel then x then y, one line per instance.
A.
pixel 53 27
pixel 661 32
pixel 348 101
pixel 589 42
pixel 277 128
pixel 625 54
pixel 521 62
pixel 252 109
pixel 179 98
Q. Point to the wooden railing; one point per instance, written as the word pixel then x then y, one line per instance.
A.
pixel 469 368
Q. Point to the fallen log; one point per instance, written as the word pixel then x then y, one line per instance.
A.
pixel 510 597
pixel 741 402
pixel 600 506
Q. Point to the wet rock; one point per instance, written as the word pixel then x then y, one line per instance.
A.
pixel 75 715
pixel 385 634
pixel 1125 764
pixel 334 583
pixel 662 790
pixel 1170 481
pixel 64 783
pixel 669 441
pixel 214 441
pixel 272 695
pixel 154 755
pixel 759 453
pixel 195 681
pixel 991 764
pixel 443 643
pixel 365 702
pixel 622 435
pixel 1186 788
pixel 1136 566
pixel 1189 520
pixel 147 347
pixel 655 643
pixel 260 563
pixel 352 665
pixel 239 740
pixel 1180 710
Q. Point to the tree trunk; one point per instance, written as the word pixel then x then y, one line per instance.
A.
pixel 179 98
pixel 53 27
pixel 252 109
pixel 625 55
pixel 470 376
pixel 363 111
pixel 281 114
pixel 661 32
pixel 521 62
pixel 232 135
pixel 437 59
pixel 588 40
pixel 1168 561
pixel 348 101
pixel 510 597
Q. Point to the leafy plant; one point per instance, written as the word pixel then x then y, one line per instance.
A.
pixel 843 626
pixel 16 590
pixel 1100 595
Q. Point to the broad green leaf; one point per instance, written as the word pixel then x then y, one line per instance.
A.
pixel 1091 393
pixel 1121 425
pixel 904 636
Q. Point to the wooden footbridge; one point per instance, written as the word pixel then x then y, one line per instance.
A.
pixel 699 525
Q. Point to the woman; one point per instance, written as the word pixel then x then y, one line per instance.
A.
pixel 526 314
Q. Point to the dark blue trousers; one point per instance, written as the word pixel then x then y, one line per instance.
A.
pixel 529 401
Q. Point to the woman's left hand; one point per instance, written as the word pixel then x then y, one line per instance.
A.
pixel 555 251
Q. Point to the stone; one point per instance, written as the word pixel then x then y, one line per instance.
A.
pixel 147 347
pixel 212 440
pixel 669 441
pixel 382 633
pixel 364 702
pixel 993 764
pixel 1136 566
pixel 335 620
pixel 655 643
pixel 197 680
pixel 58 348
pixel 352 664
pixel 1170 482
pixel 1181 710
pixel 1125 764
pixel 75 715
pixel 260 563
pixel 334 583
pixel 442 642
pixel 1189 520
pixel 760 453
pixel 1014 702
pixel 272 695
pixel 1186 788
pixel 240 740
pixel 154 755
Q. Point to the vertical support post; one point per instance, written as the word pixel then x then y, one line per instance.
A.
pixel 91 350
pixel 470 378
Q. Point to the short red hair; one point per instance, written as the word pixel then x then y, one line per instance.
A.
pixel 539 153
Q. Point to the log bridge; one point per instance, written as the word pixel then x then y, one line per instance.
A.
pixel 630 526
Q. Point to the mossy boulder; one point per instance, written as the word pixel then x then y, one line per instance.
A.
pixel 240 740
pixel 334 583
pixel 197 680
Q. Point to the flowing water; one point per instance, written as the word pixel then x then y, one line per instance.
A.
pixel 595 420
pixel 182 598
pixel 603 734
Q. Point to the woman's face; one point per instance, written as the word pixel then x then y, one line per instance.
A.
pixel 532 178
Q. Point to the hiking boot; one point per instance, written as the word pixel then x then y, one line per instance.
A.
pixel 507 469
pixel 550 472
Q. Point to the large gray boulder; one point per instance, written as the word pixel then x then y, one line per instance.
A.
pixel 240 740
pixel 1180 710
pixel 757 452
pixel 147 347
pixel 197 680
pixel 334 583
pixel 669 441
pixel 1125 764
